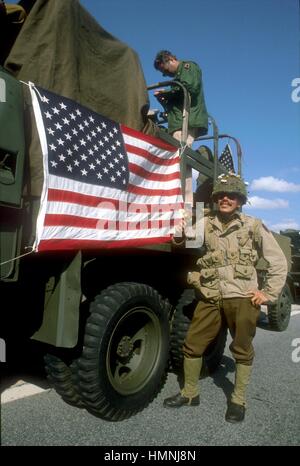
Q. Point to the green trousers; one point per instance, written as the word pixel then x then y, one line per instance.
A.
pixel 240 316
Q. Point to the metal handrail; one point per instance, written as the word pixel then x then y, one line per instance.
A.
pixel 215 137
pixel 186 105
pixel 222 136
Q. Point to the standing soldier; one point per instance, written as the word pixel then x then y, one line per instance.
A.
pixel 189 75
pixel 228 286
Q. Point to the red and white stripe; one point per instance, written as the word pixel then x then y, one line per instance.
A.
pixel 80 215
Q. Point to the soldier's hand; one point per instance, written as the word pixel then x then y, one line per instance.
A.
pixel 189 228
pixel 257 297
pixel 160 96
pixel 179 233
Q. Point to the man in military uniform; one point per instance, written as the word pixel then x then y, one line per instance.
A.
pixel 189 74
pixel 227 283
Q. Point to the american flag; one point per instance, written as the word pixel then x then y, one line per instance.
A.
pixel 226 159
pixel 105 185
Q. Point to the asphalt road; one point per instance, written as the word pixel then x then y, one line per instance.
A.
pixel 272 417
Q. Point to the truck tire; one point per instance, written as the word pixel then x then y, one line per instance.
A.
pixel 279 313
pixel 64 379
pixel 124 361
pixel 180 323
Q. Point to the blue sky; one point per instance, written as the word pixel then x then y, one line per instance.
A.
pixel 249 53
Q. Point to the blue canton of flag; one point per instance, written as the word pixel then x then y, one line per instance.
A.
pixel 226 159
pixel 83 145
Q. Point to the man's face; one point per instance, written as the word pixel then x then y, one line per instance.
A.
pixel 169 68
pixel 228 203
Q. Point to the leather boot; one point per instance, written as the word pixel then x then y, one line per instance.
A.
pixel 235 413
pixel 189 395
pixel 237 406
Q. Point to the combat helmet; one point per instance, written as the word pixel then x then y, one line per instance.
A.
pixel 231 183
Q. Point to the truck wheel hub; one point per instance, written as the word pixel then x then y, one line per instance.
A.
pixel 125 347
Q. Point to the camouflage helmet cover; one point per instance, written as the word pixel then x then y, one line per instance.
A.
pixel 231 183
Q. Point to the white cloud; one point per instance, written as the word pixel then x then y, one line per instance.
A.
pixel 285 225
pixel 256 202
pixel 269 183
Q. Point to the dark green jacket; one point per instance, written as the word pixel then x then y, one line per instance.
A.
pixel 190 75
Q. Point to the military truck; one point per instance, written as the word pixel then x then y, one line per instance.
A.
pixel 110 322
pixel 294 236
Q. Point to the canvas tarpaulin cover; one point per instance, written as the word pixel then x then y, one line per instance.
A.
pixel 60 47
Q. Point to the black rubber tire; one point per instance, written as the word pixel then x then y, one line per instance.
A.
pixel 180 323
pixel 64 379
pixel 279 313
pixel 124 361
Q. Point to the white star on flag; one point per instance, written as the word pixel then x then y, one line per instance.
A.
pixel 105 185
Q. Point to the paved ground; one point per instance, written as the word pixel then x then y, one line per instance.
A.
pixel 272 416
